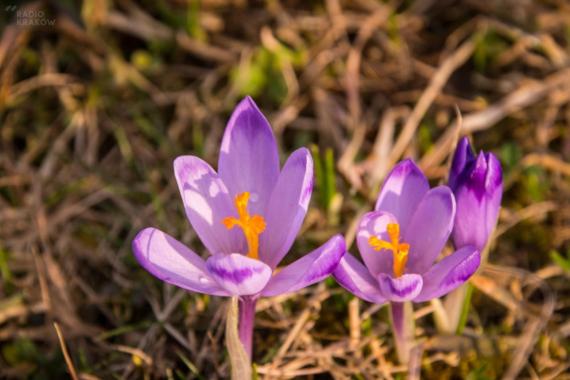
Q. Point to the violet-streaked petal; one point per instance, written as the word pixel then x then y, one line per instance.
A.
pixel 430 228
pixel 308 270
pixel 207 203
pixel 494 190
pixel 355 277
pixel 287 207
pixel 400 289
pixel 249 160
pixel 171 261
pixel 238 274
pixel 402 191
pixel 478 198
pixel 449 273
pixel 462 157
pixel 375 224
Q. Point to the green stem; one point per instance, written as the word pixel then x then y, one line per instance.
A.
pixel 465 309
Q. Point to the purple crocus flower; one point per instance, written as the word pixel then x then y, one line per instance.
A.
pixel 400 241
pixel 477 183
pixel 247 216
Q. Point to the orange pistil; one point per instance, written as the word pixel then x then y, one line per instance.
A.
pixel 400 250
pixel 252 225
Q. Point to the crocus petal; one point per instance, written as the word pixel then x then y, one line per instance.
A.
pixel 375 224
pixel 449 273
pixel 171 261
pixel 462 157
pixel 400 289
pixel 238 274
pixel 249 160
pixel 354 277
pixel 402 191
pixel 287 207
pixel 207 203
pixel 430 228
pixel 478 202
pixel 308 270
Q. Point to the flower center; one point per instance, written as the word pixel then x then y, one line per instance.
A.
pixel 400 250
pixel 252 225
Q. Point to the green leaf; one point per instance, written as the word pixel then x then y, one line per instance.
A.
pixel 510 155
pixel 488 46
pixel 319 174
pixel 535 183
pixel 20 351
pixel 330 177
pixel 4 267
pixel 193 26
pixel 326 175
pixel 561 261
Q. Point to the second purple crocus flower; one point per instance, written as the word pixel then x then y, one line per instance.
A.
pixel 247 216
pixel 399 243
pixel 477 182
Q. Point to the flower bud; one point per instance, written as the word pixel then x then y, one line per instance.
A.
pixel 477 182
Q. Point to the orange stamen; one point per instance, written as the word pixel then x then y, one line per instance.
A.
pixel 252 225
pixel 400 250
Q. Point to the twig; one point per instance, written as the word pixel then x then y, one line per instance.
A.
pixel 525 96
pixel 435 86
pixel 66 356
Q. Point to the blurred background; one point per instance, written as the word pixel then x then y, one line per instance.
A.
pixel 98 97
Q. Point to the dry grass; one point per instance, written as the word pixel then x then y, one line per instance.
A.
pixel 95 106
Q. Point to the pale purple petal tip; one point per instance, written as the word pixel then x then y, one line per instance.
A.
pixel 354 277
pixel 402 191
pixel 309 269
pixel 249 160
pixel 449 273
pixel 238 274
pixel 172 262
pixel 400 289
